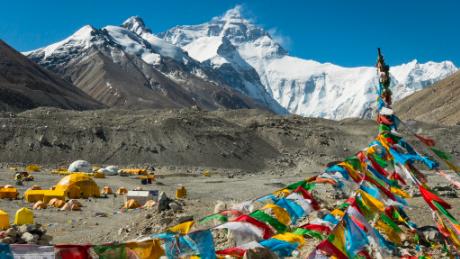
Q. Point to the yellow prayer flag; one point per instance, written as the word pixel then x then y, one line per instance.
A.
pixel 370 150
pixel 351 171
pixel 338 213
pixel 290 238
pixel 182 228
pixel 371 202
pixel 150 249
pixel 339 237
pixel 282 193
pixel 454 238
pixel 399 192
pixel 380 138
pixel 388 231
pixel 280 214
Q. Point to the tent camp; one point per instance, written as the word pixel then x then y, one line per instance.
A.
pixel 78 186
pixel 80 166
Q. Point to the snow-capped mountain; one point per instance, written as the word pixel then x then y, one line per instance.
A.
pixel 303 87
pixel 129 66
pixel 148 70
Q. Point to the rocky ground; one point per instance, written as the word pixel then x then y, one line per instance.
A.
pixel 248 153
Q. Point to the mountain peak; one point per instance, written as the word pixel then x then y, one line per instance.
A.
pixel 135 24
pixel 234 13
pixel 84 32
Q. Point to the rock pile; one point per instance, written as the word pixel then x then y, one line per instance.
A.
pixel 25 234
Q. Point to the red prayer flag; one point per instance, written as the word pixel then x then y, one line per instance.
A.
pixel 232 251
pixel 73 251
pixel 267 231
pixel 308 196
pixel 384 120
pixel 319 228
pixel 429 197
pixel 429 142
pixel 330 249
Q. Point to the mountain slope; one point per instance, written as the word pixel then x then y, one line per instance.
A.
pixel 25 85
pixel 304 87
pixel 130 67
pixel 438 103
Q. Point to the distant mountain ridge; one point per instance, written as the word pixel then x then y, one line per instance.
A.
pixel 439 103
pixel 25 85
pixel 227 62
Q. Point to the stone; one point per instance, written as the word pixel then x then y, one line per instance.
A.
pixel 7 240
pixel 22 229
pixel 120 231
pixel 430 234
pixel 42 242
pixel 163 202
pixel 165 221
pixel 101 214
pixel 46 238
pixel 32 228
pixel 29 238
pixel 176 207
pixel 184 219
pixel 259 253
pixel 147 230
pixel 11 232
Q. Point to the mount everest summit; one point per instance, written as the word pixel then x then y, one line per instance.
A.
pixel 227 62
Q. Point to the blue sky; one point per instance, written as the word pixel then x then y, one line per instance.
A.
pixel 345 32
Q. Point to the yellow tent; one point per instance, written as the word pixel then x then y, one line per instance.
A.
pixel 43 195
pixel 78 186
pixel 4 220
pixel 24 216
pixel 7 192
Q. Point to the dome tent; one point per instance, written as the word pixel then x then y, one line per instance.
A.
pixel 80 166
pixel 109 170
pixel 78 186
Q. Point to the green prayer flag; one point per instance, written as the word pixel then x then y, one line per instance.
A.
pixel 363 208
pixel 441 154
pixel 216 216
pixel 445 212
pixel 354 162
pixel 303 183
pixel 393 137
pixel 382 162
pixel 390 222
pixel 111 251
pixel 264 217
pixel 308 232
pixel 344 206
pixel 383 128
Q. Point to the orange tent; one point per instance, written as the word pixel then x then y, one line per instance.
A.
pixel 107 190
pixel 131 204
pixel 122 191
pixel 39 205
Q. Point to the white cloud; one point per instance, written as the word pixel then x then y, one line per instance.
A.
pixel 281 39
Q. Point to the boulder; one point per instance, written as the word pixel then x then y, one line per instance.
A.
pixel 11 232
pixel 29 238
pixel 176 207
pixel 260 253
pixel 163 202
